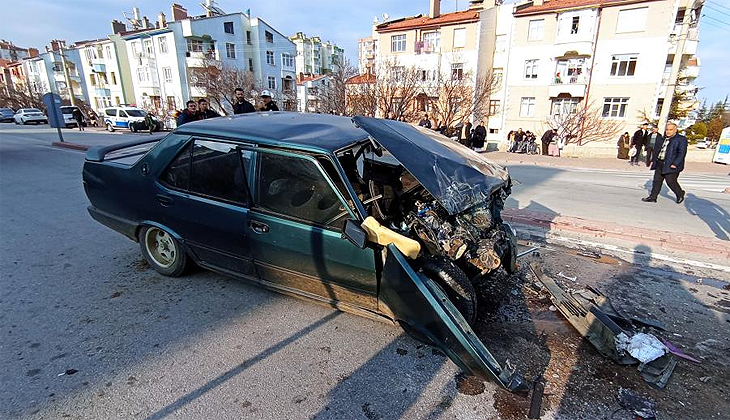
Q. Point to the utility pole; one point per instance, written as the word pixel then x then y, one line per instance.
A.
pixel 69 88
pixel 676 64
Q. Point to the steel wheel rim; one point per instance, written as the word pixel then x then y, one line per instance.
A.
pixel 161 247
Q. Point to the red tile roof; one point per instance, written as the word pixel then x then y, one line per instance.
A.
pixel 554 5
pixel 309 77
pixel 360 79
pixel 420 21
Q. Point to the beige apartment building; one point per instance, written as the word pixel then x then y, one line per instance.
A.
pixel 615 55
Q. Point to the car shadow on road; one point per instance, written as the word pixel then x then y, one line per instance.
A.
pixel 716 218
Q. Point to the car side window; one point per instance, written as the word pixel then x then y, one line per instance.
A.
pixel 123 114
pixel 295 187
pixel 111 112
pixel 177 173
pixel 217 171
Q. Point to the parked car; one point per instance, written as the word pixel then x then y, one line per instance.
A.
pixel 68 116
pixel 375 217
pixel 30 115
pixel 124 117
pixel 6 115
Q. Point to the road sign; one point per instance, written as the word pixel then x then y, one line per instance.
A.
pixel 722 153
pixel 53 109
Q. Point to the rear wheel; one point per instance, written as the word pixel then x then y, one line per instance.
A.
pixel 162 251
pixel 455 283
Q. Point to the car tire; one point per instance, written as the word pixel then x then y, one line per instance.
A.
pixel 162 251
pixel 132 128
pixel 109 128
pixel 455 284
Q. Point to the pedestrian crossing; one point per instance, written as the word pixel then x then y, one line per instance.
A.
pixel 689 181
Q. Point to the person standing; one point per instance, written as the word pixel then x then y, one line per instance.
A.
pixel 667 163
pixel 624 144
pixel 189 114
pixel 269 104
pixel 638 141
pixel 467 134
pixel 204 112
pixel 240 104
pixel 519 137
pixel 480 134
pixel 651 142
pixel 547 138
pixel 79 117
pixel 425 122
pixel 149 122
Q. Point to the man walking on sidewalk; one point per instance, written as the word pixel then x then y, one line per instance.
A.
pixel 667 163
pixel 638 141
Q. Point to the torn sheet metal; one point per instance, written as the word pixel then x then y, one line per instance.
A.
pixel 641 406
pixel 645 347
pixel 658 371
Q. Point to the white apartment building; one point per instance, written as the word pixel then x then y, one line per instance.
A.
pixel 616 56
pixel 366 51
pixel 161 59
pixel 316 57
pixel 45 72
pixel 309 92
pixel 107 82
pixel 12 52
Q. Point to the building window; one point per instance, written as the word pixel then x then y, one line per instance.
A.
pixel 614 107
pixel 92 79
pixel 527 107
pixel 272 82
pixel 530 69
pixel 230 50
pixel 564 106
pixel 457 71
pixel 228 27
pixel 248 37
pixel 460 38
pixel 89 54
pixel 108 50
pixel 632 20
pixel 270 58
pixel 269 37
pixel 148 47
pixel 574 25
pixel 432 41
pixel 250 65
pixel 494 107
pixel 162 44
pixel 398 73
pixel 500 44
pixel 623 64
pixel 498 78
pixel 195 45
pixel 569 71
pixel 659 104
pixel 398 43
pixel 287 60
pixel 536 30
pixel 167 74
pixel 143 74
pixel 114 78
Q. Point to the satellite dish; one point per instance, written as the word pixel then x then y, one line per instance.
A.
pixel 385 17
pixel 211 9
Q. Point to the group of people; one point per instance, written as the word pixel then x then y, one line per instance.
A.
pixel 522 142
pixel 640 146
pixel 467 134
pixel 200 110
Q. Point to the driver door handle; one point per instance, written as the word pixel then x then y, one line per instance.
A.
pixel 258 227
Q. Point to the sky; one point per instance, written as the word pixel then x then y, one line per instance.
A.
pixel 35 22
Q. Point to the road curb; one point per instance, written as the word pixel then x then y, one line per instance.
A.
pixel 72 146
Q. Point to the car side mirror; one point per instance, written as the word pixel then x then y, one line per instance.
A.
pixel 354 233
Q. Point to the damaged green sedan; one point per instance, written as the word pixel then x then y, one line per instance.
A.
pixel 375 217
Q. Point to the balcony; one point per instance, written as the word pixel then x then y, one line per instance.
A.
pixel 690 45
pixel 98 68
pixel 574 86
pixel 102 92
pixel 201 59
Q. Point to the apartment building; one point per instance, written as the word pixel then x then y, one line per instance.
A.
pixel 163 59
pixel 12 52
pixel 437 45
pixel 616 56
pixel 45 72
pixel 366 51
pixel 316 57
pixel 310 92
pixel 107 78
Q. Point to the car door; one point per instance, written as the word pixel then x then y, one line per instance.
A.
pixel 122 119
pixel 419 304
pixel 203 196
pixel 296 229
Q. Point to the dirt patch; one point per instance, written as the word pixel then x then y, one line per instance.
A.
pixel 469 385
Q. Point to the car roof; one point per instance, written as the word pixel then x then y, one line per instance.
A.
pixel 315 131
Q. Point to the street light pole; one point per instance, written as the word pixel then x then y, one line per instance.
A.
pixel 66 77
pixel 676 63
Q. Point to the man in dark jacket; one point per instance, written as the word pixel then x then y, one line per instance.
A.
pixel 667 163
pixel 189 114
pixel 269 104
pixel 467 134
pixel 519 136
pixel 480 134
pixel 547 138
pixel 204 112
pixel 240 104
pixel 638 141
pixel 425 122
pixel 651 141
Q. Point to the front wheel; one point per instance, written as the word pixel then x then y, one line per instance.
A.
pixel 132 128
pixel 162 251
pixel 455 284
pixel 109 128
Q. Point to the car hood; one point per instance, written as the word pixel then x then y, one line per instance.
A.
pixel 458 177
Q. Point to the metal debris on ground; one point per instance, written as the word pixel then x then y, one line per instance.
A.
pixel 538 389
pixel 677 352
pixel 643 407
pixel 645 347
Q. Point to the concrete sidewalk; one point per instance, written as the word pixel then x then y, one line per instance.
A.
pixel 542 226
pixel 505 158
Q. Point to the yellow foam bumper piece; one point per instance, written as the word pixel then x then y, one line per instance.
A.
pixel 381 235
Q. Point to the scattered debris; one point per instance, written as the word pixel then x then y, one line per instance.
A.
pixel 658 371
pixel 705 379
pixel 538 389
pixel 641 406
pixel 469 385
pixel 645 347
pixel 68 372
pixel 573 279
pixel 653 323
pixel 589 254
pixel 529 251
pixel 677 352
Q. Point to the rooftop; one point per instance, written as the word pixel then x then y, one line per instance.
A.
pixel 556 5
pixel 324 132
pixel 310 78
pixel 420 21
pixel 361 78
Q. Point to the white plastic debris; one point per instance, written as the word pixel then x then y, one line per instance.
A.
pixel 646 347
pixel 573 279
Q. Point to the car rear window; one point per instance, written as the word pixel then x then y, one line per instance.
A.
pixel 111 112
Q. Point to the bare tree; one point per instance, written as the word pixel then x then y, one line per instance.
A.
pixel 583 125
pixel 24 96
pixel 360 95
pixel 396 89
pixel 333 98
pixel 219 82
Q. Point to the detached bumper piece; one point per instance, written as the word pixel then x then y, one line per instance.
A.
pixel 614 336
